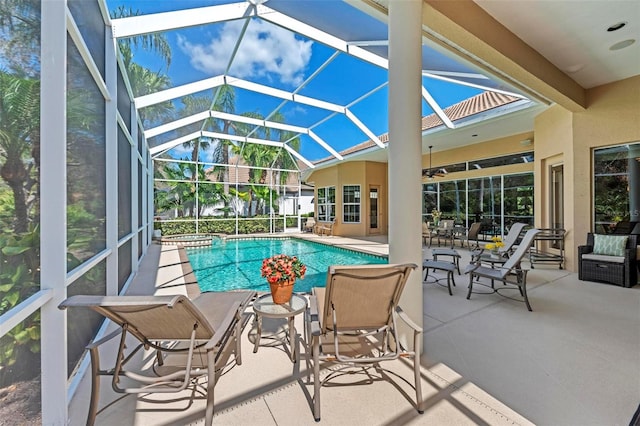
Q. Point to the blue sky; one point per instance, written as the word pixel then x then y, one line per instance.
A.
pixel 278 58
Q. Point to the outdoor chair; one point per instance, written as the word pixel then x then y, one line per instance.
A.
pixel 428 233
pixel 609 258
pixel 471 235
pixel 504 272
pixel 189 338
pixel 309 225
pixel 353 323
pixel 510 241
pixel 325 228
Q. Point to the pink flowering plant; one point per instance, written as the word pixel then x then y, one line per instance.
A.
pixel 282 267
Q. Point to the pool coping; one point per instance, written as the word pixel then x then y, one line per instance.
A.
pixel 189 277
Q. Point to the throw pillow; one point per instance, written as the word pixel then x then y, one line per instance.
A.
pixel 425 228
pixel 609 245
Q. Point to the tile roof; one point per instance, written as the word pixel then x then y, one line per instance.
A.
pixel 482 102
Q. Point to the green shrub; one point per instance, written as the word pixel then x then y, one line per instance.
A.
pixel 19 278
pixel 254 225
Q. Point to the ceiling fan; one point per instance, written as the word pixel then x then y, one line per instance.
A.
pixel 430 172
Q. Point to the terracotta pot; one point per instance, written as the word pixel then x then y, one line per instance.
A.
pixel 281 291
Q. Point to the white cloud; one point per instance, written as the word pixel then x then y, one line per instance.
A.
pixel 266 51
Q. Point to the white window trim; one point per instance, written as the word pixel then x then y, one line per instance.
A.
pixel 359 204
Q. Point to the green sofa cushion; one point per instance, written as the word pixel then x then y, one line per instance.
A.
pixel 610 245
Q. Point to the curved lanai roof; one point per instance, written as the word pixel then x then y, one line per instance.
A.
pixel 490 103
pixel 319 65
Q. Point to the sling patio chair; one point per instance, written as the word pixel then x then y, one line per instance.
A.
pixel 512 238
pixel 506 269
pixel 471 235
pixel 353 323
pixel 510 241
pixel 189 338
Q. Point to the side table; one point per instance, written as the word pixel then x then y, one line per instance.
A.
pixel 263 306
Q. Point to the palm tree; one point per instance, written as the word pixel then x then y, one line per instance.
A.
pixel 284 160
pixel 267 157
pixel 20 53
pixel 225 101
pixel 155 42
pixel 19 133
pixel 181 191
pixel 193 105
pixel 144 81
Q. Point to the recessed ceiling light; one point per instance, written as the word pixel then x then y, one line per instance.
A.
pixel 616 27
pixel 574 68
pixel 622 44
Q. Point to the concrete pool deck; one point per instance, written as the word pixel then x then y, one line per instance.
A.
pixel 575 360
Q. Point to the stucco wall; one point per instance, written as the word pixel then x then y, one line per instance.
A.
pixel 612 118
pixel 493 148
pixel 365 174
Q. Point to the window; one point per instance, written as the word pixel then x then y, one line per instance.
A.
pixel 429 200
pixel 485 203
pixel 518 199
pixel 525 157
pixel 453 200
pixel 327 204
pixel 557 196
pixel 496 201
pixel 556 213
pixel 616 183
pixel 351 203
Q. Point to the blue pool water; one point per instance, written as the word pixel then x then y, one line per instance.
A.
pixel 235 264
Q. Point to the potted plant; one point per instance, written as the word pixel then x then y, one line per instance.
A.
pixel 436 214
pixel 281 271
pixel 494 246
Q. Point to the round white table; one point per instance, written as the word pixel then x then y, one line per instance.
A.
pixel 264 307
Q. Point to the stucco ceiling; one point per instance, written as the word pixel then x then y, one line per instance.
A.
pixel 573 35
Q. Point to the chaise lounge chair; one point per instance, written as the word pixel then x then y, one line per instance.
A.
pixel 510 241
pixel 505 271
pixel 189 337
pixel 353 322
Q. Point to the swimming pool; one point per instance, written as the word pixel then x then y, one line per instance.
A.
pixel 235 264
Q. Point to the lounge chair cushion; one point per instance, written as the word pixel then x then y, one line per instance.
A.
pixel 603 258
pixel 214 305
pixel 609 245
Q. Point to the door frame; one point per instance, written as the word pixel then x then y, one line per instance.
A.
pixel 370 230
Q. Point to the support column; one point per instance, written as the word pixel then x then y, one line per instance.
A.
pixel 634 183
pixel 53 207
pixel 111 162
pixel 405 146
